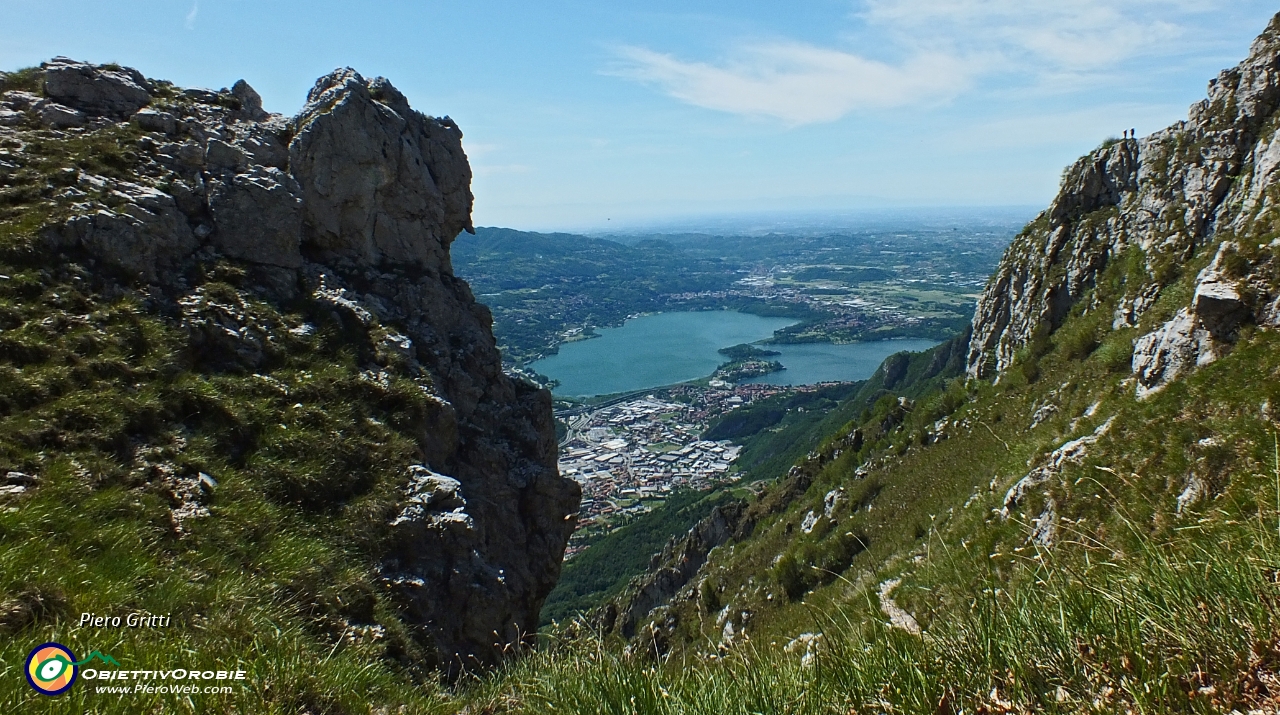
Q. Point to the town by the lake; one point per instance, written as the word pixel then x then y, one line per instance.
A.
pixel 630 454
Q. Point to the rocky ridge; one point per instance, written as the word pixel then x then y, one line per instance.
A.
pixel 349 208
pixel 1158 202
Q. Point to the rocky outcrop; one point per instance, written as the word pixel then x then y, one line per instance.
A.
pixel 672 570
pixel 1200 333
pixel 107 91
pixel 349 208
pixel 1160 200
pixel 380 182
pixel 1072 452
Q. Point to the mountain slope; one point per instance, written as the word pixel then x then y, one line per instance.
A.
pixel 1089 521
pixel 241 387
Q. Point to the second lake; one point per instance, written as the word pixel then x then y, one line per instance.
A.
pixel 809 363
pixel 667 348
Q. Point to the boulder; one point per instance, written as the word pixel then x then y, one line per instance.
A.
pixel 832 501
pixel 145 236
pixel 152 121
pixel 261 143
pixel 250 100
pixel 221 156
pixel 1169 351
pixel 434 491
pixel 57 116
pixel 810 521
pixel 20 100
pixel 1217 302
pixel 203 96
pixel 100 90
pixel 1218 305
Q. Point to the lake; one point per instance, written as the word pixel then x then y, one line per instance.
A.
pixel 809 363
pixel 652 351
pixel 667 348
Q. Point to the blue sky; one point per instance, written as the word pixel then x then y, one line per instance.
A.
pixel 596 115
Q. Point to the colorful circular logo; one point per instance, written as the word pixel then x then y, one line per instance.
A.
pixel 51 668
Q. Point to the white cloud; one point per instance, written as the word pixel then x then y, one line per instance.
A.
pixel 948 47
pixel 191 16
pixel 796 82
pixel 1066 35
pixel 474 150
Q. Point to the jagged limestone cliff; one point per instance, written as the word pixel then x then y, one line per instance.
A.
pixel 1205 181
pixel 255 235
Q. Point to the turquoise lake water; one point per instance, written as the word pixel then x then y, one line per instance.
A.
pixel 652 351
pixel 824 362
pixel 663 349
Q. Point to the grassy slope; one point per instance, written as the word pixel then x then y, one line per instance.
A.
pixel 600 572
pixel 103 400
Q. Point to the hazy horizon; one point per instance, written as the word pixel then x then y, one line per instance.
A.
pixel 746 223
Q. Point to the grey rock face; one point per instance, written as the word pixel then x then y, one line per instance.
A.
pixel 221 156
pixel 833 501
pixel 1217 302
pixel 1164 196
pixel 1072 452
pixel 250 100
pixel 351 205
pixel 259 217
pixel 1173 349
pixel 434 490
pixel 380 181
pixel 1195 336
pixel 96 89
